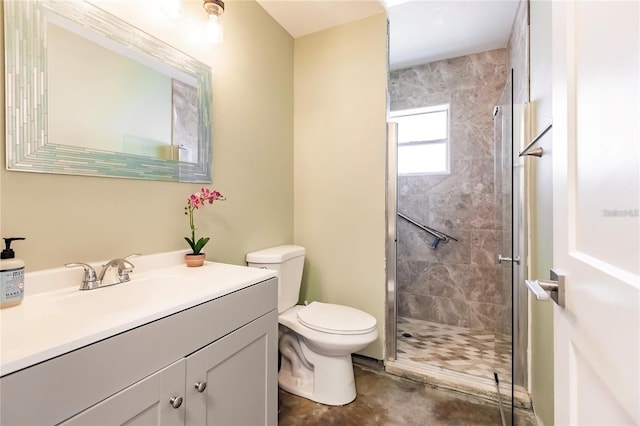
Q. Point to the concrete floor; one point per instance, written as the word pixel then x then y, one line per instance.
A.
pixel 384 399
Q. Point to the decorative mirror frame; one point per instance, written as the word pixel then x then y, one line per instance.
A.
pixel 27 146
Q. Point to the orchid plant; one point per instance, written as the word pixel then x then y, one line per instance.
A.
pixel 194 202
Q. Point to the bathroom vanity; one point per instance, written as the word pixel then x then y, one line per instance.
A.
pixel 187 346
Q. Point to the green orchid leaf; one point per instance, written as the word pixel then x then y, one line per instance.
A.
pixel 200 244
pixel 193 246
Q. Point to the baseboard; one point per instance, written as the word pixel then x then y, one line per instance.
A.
pixel 367 362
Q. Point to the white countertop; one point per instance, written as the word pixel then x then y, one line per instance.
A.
pixel 55 317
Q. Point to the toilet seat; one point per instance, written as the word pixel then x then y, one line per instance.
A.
pixel 336 319
pixel 327 343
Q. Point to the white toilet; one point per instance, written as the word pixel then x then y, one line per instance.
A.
pixel 317 340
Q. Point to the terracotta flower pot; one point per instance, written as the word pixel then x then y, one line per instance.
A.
pixel 194 260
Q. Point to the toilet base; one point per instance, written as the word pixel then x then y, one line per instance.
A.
pixel 331 382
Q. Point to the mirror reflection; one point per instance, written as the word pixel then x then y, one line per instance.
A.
pixel 111 100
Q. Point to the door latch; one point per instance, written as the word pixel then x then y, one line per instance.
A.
pixel 555 286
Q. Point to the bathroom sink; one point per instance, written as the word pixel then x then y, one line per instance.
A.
pixel 70 311
pixel 143 293
pixel 56 317
pixel 56 321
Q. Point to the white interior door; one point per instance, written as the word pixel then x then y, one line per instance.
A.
pixel 596 118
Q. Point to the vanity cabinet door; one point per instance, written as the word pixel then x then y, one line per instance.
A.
pixel 147 402
pixel 240 373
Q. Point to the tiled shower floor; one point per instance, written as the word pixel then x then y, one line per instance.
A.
pixel 463 350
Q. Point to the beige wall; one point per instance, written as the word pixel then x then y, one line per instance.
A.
pixel 69 218
pixel 340 82
pixel 541 223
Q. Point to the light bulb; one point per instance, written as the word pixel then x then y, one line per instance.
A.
pixel 214 30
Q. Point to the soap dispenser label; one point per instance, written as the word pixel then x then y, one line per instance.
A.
pixel 12 284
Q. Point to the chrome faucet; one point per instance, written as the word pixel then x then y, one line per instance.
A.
pixel 116 271
pixel 89 279
pixel 122 269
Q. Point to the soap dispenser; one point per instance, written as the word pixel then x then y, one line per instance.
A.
pixel 11 276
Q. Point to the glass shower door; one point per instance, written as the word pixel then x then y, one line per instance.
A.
pixel 507 342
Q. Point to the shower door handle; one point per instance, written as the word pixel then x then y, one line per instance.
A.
pixel 515 260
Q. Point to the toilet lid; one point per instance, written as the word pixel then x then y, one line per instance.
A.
pixel 336 319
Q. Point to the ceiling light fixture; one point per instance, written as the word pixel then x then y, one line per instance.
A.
pixel 214 8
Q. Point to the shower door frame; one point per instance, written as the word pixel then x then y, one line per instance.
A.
pixel 520 246
pixel 391 311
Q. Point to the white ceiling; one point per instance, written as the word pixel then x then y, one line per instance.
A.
pixel 420 31
pixel 302 17
pixel 425 31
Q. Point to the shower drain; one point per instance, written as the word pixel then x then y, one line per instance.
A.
pixel 407 335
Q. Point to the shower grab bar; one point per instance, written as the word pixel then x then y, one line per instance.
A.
pixel 439 236
pixel 536 152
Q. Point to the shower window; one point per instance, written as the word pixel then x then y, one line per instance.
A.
pixel 423 140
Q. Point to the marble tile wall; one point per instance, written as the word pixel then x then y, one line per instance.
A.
pixel 459 283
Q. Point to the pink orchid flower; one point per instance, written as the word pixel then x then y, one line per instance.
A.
pixel 193 202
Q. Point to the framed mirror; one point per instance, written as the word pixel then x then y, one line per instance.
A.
pixel 89 94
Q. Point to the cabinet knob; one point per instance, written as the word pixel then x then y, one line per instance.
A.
pixel 201 386
pixel 176 401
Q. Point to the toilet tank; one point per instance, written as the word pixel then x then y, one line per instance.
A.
pixel 288 261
